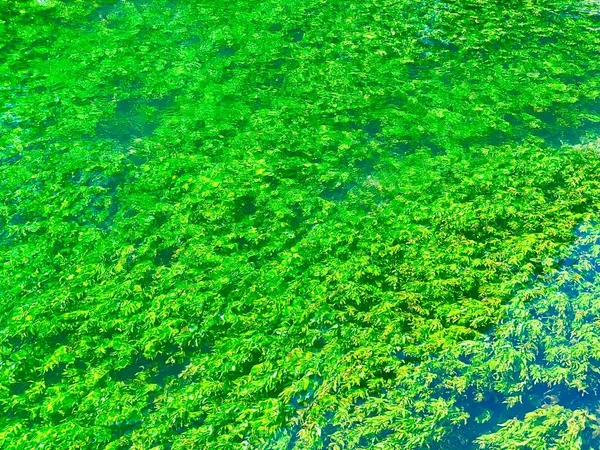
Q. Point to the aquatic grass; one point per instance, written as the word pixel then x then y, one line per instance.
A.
pixel 227 222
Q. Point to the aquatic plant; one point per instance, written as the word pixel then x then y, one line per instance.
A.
pixel 240 225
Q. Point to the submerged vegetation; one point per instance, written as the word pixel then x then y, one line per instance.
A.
pixel 299 224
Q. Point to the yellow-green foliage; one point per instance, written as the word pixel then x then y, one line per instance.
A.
pixel 553 428
pixel 278 224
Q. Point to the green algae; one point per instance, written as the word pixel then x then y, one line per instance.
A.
pixel 241 225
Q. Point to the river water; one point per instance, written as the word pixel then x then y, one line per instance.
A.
pixel 126 116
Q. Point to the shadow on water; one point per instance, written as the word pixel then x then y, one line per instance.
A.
pixel 161 373
pixel 115 9
pixel 370 131
pixel 552 129
pixel 134 118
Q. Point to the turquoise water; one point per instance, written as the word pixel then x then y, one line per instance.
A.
pixel 564 310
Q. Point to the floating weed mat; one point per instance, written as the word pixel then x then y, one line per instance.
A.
pixel 290 224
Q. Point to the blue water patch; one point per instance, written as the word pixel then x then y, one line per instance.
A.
pixel 513 370
pixel 518 367
pixel 545 336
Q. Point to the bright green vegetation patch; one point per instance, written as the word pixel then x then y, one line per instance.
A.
pixel 531 383
pixel 235 224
